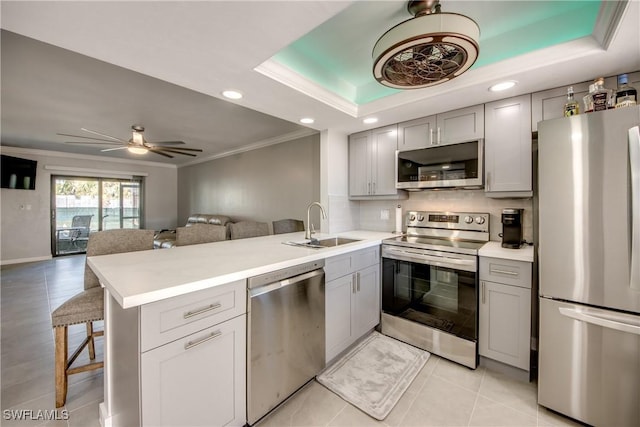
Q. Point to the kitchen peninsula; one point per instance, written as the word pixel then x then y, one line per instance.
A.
pixel 161 305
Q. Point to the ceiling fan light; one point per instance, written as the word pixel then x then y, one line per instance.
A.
pixel 137 150
pixel 426 50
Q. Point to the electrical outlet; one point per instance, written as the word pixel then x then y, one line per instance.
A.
pixel 384 214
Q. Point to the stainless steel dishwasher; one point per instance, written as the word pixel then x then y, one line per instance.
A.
pixel 285 336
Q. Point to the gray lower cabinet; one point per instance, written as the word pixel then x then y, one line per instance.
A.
pixel 352 298
pixel 508 156
pixel 179 361
pixel 505 311
pixel 197 380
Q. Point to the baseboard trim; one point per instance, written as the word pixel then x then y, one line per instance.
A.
pixel 105 421
pixel 23 260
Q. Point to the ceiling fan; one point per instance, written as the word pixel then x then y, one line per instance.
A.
pixel 137 144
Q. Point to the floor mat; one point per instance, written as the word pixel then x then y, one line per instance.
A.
pixel 374 375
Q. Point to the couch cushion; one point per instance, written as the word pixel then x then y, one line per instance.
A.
pixel 208 219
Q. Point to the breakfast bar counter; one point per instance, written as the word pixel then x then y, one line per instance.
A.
pixel 138 278
pixel 176 325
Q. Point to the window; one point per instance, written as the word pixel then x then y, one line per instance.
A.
pixel 80 205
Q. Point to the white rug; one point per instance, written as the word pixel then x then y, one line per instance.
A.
pixel 375 374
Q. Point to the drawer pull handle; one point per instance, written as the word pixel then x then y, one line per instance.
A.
pixel 210 307
pixel 511 273
pixel 211 336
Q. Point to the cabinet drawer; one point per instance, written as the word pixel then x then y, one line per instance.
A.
pixel 510 272
pixel 342 265
pixel 168 320
pixel 366 257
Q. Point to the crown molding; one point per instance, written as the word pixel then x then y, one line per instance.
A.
pixel 6 149
pixel 290 78
pixel 608 21
pixel 302 133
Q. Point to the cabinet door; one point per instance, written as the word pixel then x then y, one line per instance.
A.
pixel 417 133
pixel 460 125
pixel 367 296
pixel 384 142
pixel 359 164
pixel 338 309
pixel 549 104
pixel 508 145
pixel 199 380
pixel 505 323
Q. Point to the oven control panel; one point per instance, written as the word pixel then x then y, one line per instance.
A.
pixel 472 221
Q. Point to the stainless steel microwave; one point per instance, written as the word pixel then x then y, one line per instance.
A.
pixel 441 166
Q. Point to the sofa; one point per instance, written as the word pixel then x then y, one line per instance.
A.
pixel 167 238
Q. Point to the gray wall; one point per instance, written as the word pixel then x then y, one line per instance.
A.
pixel 270 183
pixel 25 225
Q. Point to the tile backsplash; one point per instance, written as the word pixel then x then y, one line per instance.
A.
pixel 455 200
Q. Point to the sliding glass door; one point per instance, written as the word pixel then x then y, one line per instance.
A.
pixel 80 205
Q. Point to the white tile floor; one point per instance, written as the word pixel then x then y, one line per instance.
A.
pixel 443 394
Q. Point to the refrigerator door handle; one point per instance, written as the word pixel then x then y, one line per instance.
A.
pixel 634 161
pixel 592 317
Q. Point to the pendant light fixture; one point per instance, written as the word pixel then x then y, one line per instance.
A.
pixel 429 49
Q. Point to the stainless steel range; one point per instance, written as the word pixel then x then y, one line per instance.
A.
pixel 430 283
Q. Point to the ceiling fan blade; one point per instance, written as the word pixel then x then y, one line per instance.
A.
pixel 171 150
pixel 179 148
pixel 105 135
pixel 93 142
pixel 167 143
pixel 85 137
pixel 113 149
pixel 159 152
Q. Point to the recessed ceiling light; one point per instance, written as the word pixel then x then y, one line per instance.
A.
pixel 232 94
pixel 307 120
pixel 370 120
pixel 503 86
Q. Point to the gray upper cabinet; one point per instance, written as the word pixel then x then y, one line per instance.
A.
pixel 372 164
pixel 446 128
pixel 461 125
pixel 549 104
pixel 418 133
pixel 508 147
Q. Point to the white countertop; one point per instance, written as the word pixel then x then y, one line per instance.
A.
pixel 138 278
pixel 495 250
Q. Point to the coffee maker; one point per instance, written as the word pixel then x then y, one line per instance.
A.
pixel 512 228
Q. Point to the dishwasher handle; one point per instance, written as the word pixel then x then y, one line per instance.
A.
pixel 284 283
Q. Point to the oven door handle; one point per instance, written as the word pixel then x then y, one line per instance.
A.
pixel 422 258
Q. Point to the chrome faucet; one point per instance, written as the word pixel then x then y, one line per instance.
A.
pixel 307 231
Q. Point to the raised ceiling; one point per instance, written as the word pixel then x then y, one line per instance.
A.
pixel 163 64
pixel 337 54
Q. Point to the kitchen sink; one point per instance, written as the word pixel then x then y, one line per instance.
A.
pixel 334 241
pixel 327 242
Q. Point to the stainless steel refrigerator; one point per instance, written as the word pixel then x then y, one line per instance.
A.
pixel 589 258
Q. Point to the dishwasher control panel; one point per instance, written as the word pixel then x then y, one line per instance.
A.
pixel 285 273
